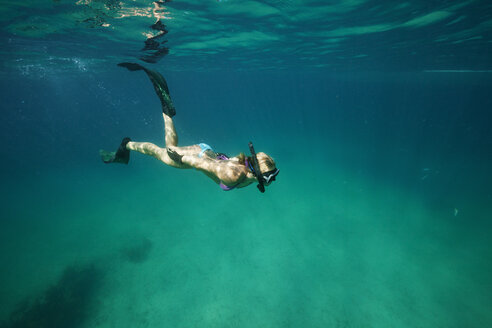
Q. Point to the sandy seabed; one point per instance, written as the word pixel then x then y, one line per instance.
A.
pixel 170 248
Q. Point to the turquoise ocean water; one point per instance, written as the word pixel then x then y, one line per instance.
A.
pixel 378 115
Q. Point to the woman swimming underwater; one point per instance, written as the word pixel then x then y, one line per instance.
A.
pixel 229 172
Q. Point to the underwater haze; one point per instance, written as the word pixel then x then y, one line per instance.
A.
pixel 377 113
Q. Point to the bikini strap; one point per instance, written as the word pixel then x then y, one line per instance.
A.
pixel 204 148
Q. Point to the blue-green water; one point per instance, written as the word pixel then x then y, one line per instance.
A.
pixel 377 114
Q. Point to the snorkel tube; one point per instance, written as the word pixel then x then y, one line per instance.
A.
pixel 256 168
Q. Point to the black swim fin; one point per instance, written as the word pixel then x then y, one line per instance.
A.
pixel 122 155
pixel 160 86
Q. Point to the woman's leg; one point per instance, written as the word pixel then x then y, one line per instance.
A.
pixel 169 131
pixel 168 111
pixel 148 148
pixel 171 138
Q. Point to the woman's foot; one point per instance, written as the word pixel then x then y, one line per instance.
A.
pixel 122 155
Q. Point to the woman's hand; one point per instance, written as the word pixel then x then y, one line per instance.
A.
pixel 175 156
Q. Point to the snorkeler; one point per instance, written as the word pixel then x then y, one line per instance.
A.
pixel 229 172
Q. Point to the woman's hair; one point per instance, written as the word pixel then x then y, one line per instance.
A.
pixel 241 157
pixel 265 162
